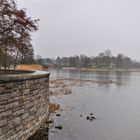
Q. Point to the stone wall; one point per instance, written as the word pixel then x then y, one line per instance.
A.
pixel 24 102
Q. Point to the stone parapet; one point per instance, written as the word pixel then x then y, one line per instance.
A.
pixel 24 103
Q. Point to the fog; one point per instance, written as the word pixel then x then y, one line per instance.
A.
pixel 69 27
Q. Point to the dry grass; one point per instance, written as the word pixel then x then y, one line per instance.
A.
pixel 53 107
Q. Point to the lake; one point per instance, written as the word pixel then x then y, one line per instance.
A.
pixel 115 107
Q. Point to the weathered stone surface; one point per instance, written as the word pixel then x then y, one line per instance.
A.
pixel 24 116
pixel 11 105
pixel 3 122
pixel 23 106
pixel 4 97
pixel 2 89
pixel 19 112
pixel 16 121
pixel 5 114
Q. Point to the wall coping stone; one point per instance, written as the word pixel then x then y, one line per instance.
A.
pixel 8 76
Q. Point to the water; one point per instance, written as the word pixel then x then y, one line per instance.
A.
pixel 115 106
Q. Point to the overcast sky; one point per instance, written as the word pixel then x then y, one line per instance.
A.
pixel 69 27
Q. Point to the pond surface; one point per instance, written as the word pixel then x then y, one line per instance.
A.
pixel 115 107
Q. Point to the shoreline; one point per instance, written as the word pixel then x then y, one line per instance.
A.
pixel 97 70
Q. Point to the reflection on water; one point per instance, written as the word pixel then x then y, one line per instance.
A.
pixel 115 106
pixel 118 77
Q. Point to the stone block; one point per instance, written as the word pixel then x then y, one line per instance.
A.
pixel 3 122
pixel 16 121
pixel 4 97
pixel 24 116
pixel 2 89
pixel 18 112
pixel 5 114
pixel 29 105
pixel 11 105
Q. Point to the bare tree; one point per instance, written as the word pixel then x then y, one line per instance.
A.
pixel 15 33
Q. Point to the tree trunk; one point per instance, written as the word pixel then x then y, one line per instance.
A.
pixel 16 60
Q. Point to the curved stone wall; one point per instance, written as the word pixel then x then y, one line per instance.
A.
pixel 24 102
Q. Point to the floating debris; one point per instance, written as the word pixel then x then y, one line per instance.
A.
pixel 91 114
pixel 58 115
pixel 50 121
pixel 91 117
pixel 53 107
pixel 88 117
pixel 59 87
pixel 59 127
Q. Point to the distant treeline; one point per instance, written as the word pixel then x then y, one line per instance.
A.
pixel 103 60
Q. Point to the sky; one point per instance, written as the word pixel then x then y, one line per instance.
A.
pixel 69 27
